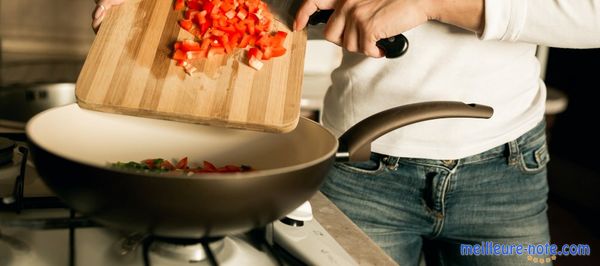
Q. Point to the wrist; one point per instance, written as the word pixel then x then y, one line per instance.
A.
pixel 467 14
pixel 432 9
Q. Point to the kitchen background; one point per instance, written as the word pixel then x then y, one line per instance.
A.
pixel 44 41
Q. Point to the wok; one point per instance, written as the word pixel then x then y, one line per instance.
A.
pixel 72 148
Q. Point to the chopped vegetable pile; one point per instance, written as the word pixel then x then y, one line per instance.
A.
pixel 162 165
pixel 221 26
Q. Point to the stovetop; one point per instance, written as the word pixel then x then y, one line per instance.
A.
pixel 36 228
pixel 55 237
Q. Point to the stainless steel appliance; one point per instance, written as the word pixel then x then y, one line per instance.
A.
pixel 19 103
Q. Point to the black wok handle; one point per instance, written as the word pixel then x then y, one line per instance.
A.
pixel 392 47
pixel 355 144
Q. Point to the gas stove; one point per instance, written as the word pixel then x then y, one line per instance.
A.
pixel 38 229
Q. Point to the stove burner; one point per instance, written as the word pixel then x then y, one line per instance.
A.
pixel 187 250
pixel 14 243
pixel 251 248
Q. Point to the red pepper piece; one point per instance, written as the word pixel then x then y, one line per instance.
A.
pixel 193 5
pixel 149 163
pixel 186 24
pixel 179 5
pixel 278 38
pixel 189 45
pixel 254 56
pixel 182 164
pixel 179 55
pixel 277 51
pixel 207 166
pixel 166 165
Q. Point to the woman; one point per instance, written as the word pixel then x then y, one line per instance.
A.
pixel 454 181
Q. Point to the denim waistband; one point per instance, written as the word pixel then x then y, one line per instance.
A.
pixel 507 150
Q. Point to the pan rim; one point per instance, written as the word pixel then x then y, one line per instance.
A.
pixel 208 176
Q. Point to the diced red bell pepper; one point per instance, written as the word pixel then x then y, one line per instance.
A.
pixel 166 165
pixel 242 13
pixel 215 43
pixel 218 33
pixel 264 41
pixel 209 167
pixel 254 57
pixel 278 38
pixel 179 55
pixel 255 52
pixel 229 169
pixel 179 5
pixel 278 51
pixel 230 14
pixel 252 41
pixel 222 26
pixel 235 39
pixel 194 5
pixel 233 168
pixel 225 41
pixel 226 7
pixel 190 14
pixel 205 44
pixel 186 24
pixel 182 164
pixel 201 17
pixel 209 6
pixel 189 45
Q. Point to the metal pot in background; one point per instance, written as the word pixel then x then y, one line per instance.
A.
pixel 19 103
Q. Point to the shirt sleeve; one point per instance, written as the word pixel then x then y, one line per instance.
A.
pixel 555 23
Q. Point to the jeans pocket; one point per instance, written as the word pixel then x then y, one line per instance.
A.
pixel 372 166
pixel 535 160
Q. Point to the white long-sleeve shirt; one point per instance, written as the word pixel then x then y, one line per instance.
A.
pixel 497 68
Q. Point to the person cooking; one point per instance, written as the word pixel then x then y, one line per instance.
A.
pixel 453 181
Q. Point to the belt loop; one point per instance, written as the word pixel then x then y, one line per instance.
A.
pixel 391 162
pixel 513 149
pixel 394 162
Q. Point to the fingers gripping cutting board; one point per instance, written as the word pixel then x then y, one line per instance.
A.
pixel 128 71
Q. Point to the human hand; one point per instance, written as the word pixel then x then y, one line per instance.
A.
pixel 357 25
pixel 102 6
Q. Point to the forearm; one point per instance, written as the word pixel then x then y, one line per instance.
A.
pixel 556 23
pixel 466 14
pixel 561 23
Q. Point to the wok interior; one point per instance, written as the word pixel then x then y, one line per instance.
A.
pixel 98 138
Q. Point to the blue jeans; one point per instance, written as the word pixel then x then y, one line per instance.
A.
pixel 498 195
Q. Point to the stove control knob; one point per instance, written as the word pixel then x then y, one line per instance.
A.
pixel 298 216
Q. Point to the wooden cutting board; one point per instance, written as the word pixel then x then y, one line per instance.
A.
pixel 128 71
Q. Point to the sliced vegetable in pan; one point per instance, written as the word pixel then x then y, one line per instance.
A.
pixel 181 166
pixel 221 26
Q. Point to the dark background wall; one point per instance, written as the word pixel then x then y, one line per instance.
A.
pixel 577 73
pixel 574 170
